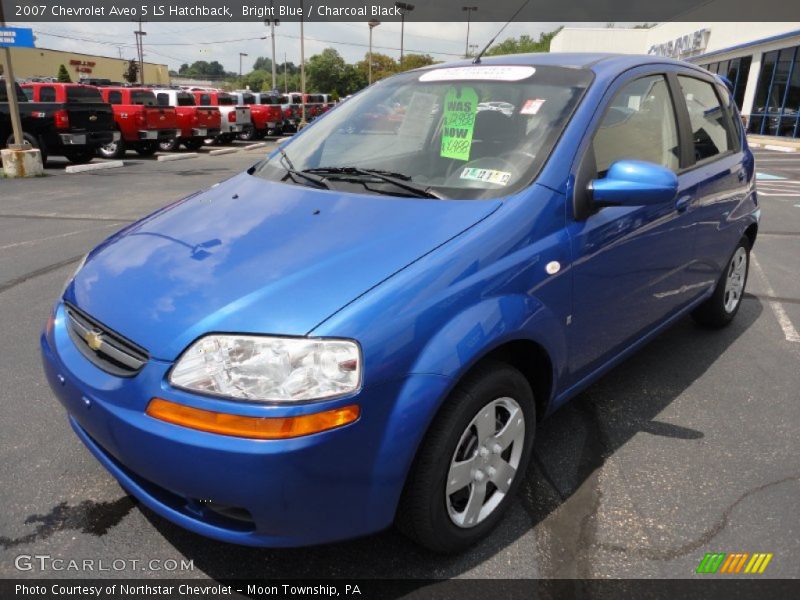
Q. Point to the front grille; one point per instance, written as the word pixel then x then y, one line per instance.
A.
pixel 104 347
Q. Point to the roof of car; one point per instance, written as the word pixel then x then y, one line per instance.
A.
pixel 597 61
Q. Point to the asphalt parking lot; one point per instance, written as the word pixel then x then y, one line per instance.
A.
pixel 691 446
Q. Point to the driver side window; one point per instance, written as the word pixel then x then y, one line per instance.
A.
pixel 639 125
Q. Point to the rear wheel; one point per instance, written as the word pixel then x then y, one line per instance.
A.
pixel 115 149
pixel 249 134
pixel 79 157
pixel 32 141
pixel 193 143
pixel 471 461
pixel 170 145
pixel 722 306
pixel 147 148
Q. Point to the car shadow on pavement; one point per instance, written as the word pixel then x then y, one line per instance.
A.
pixel 570 448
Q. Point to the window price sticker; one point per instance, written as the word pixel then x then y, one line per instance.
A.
pixel 460 108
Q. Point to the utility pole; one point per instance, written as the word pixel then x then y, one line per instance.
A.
pixel 11 92
pixel 372 25
pixel 241 54
pixel 469 10
pixel 140 49
pixel 404 8
pixel 303 121
pixel 285 76
pixel 272 23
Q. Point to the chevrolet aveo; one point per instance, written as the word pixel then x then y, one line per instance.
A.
pixel 365 327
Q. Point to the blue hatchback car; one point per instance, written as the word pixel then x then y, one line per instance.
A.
pixel 365 328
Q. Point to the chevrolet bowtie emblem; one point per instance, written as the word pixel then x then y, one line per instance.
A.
pixel 93 118
pixel 93 339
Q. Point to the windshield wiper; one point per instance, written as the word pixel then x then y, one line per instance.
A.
pixel 294 173
pixel 397 179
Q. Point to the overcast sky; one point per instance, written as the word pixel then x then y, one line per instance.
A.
pixel 201 41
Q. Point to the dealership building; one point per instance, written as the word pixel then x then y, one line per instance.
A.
pixel 761 60
pixel 41 62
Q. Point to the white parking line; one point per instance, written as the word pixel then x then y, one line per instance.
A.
pixel 780 148
pixel 789 331
pixel 56 237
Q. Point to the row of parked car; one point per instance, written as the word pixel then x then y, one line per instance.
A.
pixel 80 121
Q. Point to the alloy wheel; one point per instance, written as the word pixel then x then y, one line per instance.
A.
pixel 734 283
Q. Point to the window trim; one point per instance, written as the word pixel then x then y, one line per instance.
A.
pixel 732 150
pixel 49 88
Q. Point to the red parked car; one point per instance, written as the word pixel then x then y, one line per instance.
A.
pixel 142 123
pixel 235 118
pixel 266 119
pixel 196 123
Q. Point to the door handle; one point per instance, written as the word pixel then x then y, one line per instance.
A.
pixel 682 203
pixel 741 176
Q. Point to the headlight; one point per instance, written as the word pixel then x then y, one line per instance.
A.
pixel 270 369
pixel 75 272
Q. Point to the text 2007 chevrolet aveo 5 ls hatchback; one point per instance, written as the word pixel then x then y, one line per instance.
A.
pixel 365 327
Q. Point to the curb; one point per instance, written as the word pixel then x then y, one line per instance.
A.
pixel 167 157
pixel 254 146
pixel 114 164
pixel 780 148
pixel 223 151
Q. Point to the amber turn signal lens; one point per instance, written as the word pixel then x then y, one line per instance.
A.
pixel 258 428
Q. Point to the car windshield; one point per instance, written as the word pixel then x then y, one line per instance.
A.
pixel 456 132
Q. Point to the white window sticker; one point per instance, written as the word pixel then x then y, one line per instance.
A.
pixel 487 175
pixel 531 107
pixel 479 72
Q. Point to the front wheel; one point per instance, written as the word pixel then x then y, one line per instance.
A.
pixel 722 306
pixel 471 461
pixel 193 143
pixel 169 145
pixel 248 134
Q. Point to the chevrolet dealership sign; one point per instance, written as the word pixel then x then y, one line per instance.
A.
pixel 685 45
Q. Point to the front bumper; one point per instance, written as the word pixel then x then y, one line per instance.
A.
pixel 329 486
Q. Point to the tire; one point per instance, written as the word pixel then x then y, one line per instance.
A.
pixel 79 157
pixel 147 148
pixel 112 150
pixel 720 309
pixel 450 523
pixel 34 143
pixel 193 143
pixel 249 134
pixel 170 145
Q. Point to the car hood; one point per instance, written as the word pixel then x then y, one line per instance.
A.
pixel 250 255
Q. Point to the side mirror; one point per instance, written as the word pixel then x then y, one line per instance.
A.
pixel 634 183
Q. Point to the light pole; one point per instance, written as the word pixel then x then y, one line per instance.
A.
pixel 285 76
pixel 469 10
pixel 241 54
pixel 372 25
pixel 404 8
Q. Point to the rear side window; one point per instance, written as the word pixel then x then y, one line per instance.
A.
pixel 162 99
pixel 115 97
pixel 185 100
pixel 729 102
pixel 639 125
pixel 225 100
pixel 47 94
pixel 205 99
pixel 143 98
pixel 83 94
pixel 708 120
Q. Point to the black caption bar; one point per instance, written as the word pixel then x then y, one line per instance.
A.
pixel 387 10
pixel 412 589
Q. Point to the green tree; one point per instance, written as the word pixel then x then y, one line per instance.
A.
pixel 382 66
pixel 325 71
pixel 415 61
pixel 524 44
pixel 131 72
pixel 258 80
pixel 63 75
pixel 263 64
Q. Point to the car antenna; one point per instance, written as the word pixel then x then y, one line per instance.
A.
pixel 477 59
